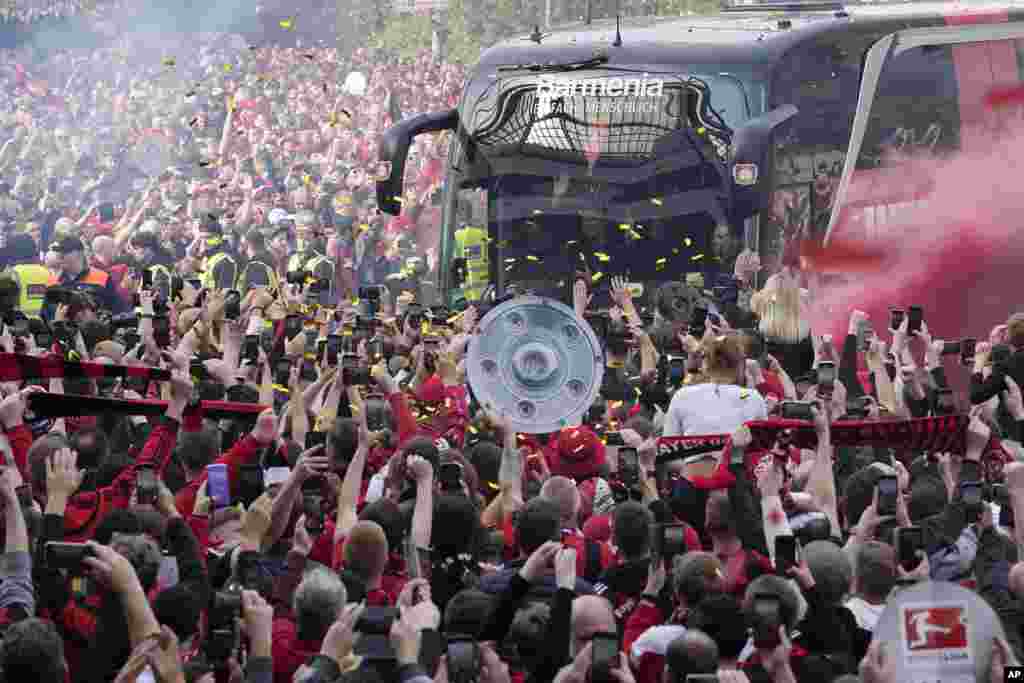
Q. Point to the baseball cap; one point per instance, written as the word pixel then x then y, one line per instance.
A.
pixel 67 245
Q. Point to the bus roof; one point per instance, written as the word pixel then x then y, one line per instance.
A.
pixel 752 35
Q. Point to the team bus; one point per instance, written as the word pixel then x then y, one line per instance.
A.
pixel 655 147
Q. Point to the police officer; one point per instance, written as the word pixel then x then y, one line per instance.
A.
pixel 150 254
pixel 220 266
pixel 259 268
pixel 26 271
pixel 305 242
pixel 76 275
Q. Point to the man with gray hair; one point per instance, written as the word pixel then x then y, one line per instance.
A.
pixel 874 577
pixel 316 604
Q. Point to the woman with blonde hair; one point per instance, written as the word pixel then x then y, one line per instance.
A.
pixel 719 404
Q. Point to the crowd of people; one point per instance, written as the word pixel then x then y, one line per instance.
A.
pixel 238 447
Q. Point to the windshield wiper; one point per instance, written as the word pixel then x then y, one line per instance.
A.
pixel 555 66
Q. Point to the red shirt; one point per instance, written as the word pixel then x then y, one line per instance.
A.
pixel 288 652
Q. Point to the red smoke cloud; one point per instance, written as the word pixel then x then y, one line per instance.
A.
pixel 960 255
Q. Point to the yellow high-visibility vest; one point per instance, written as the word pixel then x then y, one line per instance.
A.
pixel 32 281
pixel 471 244
pixel 208 279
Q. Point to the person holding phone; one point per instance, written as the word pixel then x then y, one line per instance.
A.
pixel 720 404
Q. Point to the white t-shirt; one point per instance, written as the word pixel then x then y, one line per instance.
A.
pixel 713 409
pixel 865 613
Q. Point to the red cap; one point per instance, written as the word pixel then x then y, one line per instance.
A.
pixel 598 528
pixel 580 454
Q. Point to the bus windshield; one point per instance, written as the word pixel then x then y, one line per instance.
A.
pixel 609 191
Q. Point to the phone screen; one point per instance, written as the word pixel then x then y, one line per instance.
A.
pixel 251 351
pixel 968 347
pixel 888 490
pixel 147 279
pixel 909 540
pixel 628 457
pixel 217 485
pixel 334 342
pixel 785 553
pixel 232 305
pixel 605 652
pixel 896 318
pixel 971 493
pixel 915 316
pixel 826 375
pixel 767 617
pixel 676 370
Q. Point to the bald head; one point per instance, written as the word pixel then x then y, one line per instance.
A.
pixel 104 249
pixel 694 652
pixel 875 570
pixel 590 614
pixel 563 493
pixel 1017 579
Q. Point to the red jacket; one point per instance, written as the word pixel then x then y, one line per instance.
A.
pixel 86 509
pixel 242 453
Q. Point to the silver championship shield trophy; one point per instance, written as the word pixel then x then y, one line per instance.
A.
pixel 537 363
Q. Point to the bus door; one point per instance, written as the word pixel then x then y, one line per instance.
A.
pixel 918 106
pixel 929 102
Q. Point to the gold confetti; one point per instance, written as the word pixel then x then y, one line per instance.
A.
pixel 701 130
pixel 286 24
pixel 661 261
pixel 531 257
pixel 228 68
pixel 510 260
pixel 675 250
pixel 698 257
pixel 624 226
pixel 602 257
pixel 655 201
pixel 688 242
pixel 169 62
pixel 596 277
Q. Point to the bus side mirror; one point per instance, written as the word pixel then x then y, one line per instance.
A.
pixel 751 160
pixel 393 151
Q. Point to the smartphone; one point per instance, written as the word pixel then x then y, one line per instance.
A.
pixel 945 402
pixel 282 372
pixel 796 410
pixel 915 316
pixel 785 554
pixel 701 678
pixel 314 439
pixel 888 491
pixel 450 475
pixel 909 540
pixel 292 326
pixel 698 321
pixel 375 350
pixel 413 567
pixel 896 318
pixel 767 620
pixel 146 486
pixel 162 331
pixel 217 485
pixel 605 649
pixel 66 555
pixel 24 496
pixel 147 280
pixel 334 343
pixel 1001 495
pixel 826 378
pixel 629 466
pixel 864 334
pixel 232 305
pixel 968 347
pixel 314 510
pixel 106 212
pixel 251 349
pixel 971 494
pixel 250 483
pixel 44 340
pixel 668 540
pixel 676 369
